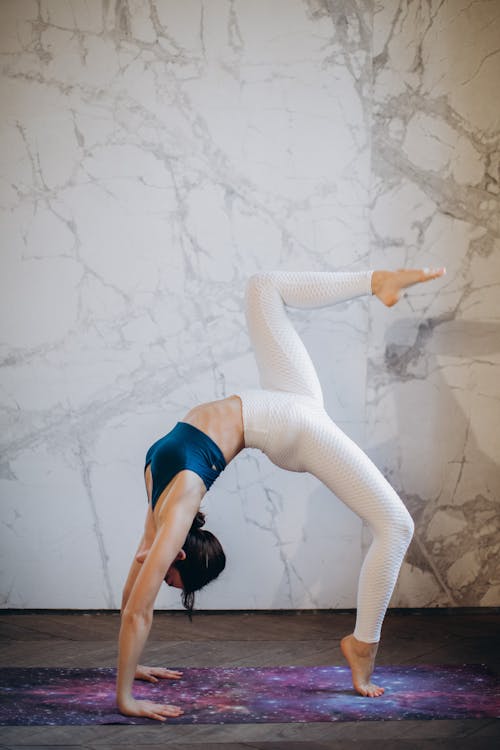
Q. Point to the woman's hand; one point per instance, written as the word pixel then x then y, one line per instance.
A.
pixel 160 711
pixel 151 674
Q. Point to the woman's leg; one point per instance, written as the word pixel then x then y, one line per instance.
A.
pixel 346 470
pixel 324 449
pixel 283 361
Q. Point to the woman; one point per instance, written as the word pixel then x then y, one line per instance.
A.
pixel 287 421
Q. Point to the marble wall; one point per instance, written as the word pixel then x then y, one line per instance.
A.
pixel 154 153
pixel 433 379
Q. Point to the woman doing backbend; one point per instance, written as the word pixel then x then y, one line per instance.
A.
pixel 286 420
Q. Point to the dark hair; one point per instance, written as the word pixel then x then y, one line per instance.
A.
pixel 205 559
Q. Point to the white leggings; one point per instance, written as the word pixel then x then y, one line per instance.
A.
pixel 286 420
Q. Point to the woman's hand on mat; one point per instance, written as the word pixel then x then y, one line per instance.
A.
pixel 160 711
pixel 152 674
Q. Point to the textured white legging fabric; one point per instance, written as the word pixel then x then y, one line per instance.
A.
pixel 286 420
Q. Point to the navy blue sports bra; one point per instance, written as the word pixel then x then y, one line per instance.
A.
pixel 184 447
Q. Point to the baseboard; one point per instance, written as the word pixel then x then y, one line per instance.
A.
pixel 410 611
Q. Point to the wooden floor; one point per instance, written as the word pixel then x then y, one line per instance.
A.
pixel 89 640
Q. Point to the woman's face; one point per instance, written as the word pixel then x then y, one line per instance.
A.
pixel 173 578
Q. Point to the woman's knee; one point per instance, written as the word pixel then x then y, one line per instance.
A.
pixel 395 525
pixel 402 526
pixel 407 527
pixel 258 282
pixel 258 288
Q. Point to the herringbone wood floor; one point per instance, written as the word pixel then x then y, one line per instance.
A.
pixel 239 639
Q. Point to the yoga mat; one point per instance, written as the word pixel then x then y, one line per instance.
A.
pixel 56 696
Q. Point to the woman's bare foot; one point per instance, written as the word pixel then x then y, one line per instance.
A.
pixel 388 285
pixel 361 658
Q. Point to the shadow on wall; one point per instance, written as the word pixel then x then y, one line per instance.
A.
pixel 456 508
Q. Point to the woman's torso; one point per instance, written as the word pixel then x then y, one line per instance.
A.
pixel 222 421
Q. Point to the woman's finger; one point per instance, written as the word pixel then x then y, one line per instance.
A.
pixel 172 710
pixel 170 674
pixel 169 671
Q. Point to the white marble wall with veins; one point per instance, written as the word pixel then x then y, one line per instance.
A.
pixel 432 386
pixel 153 154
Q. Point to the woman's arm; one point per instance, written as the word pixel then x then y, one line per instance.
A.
pixel 148 536
pixel 137 615
pixel 150 674
pixel 134 571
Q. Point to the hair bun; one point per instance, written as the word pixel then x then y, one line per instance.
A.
pixel 198 520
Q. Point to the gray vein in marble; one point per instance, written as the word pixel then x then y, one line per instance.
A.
pixel 466 203
pixel 6 597
pixel 290 573
pixel 85 469
pixel 424 560
pixel 399 358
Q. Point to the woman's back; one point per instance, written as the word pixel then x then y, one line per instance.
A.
pixel 222 421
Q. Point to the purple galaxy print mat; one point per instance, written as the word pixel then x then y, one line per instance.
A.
pixel 242 695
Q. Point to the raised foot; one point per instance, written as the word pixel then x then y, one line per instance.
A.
pixel 361 658
pixel 388 285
